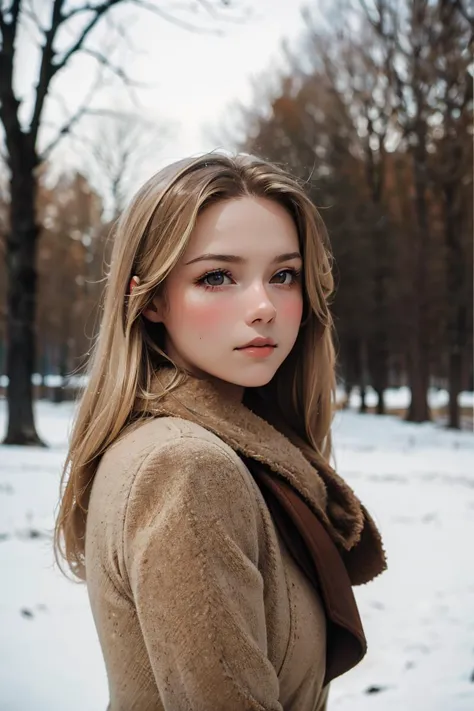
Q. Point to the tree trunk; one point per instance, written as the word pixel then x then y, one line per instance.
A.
pixel 457 316
pixel 378 363
pixel 455 376
pixel 350 352
pixel 377 350
pixel 21 299
pixel 380 401
pixel 362 375
pixel 348 390
pixel 418 347
pixel 418 410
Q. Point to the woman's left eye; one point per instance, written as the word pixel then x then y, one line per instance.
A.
pixel 292 273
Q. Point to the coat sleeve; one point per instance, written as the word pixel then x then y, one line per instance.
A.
pixel 191 548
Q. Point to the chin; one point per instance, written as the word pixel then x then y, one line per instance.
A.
pixel 254 380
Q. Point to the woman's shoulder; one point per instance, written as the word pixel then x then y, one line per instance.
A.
pixel 165 459
pixel 171 463
pixel 168 472
pixel 171 447
pixel 150 436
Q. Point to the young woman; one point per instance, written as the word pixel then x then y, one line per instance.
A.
pixel 218 545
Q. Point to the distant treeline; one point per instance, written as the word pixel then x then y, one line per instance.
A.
pixel 375 114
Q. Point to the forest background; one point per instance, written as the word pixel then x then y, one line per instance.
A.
pixel 371 106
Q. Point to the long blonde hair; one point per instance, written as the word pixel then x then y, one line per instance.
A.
pixel 150 237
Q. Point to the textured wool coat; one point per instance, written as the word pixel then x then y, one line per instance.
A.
pixel 198 603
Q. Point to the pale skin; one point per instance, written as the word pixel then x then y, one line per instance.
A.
pixel 208 316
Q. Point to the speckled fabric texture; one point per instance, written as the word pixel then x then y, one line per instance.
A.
pixel 197 601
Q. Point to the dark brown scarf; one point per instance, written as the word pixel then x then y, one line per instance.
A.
pixel 318 557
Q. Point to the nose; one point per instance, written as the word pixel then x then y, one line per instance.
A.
pixel 261 308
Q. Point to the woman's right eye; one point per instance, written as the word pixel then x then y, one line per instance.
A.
pixel 215 279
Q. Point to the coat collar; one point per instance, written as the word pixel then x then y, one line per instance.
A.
pixel 209 404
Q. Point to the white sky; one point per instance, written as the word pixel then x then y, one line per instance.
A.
pixel 199 76
pixel 193 78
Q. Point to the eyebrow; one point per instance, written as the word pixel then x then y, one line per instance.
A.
pixel 240 260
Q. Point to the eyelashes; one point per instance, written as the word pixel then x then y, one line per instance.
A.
pixel 202 280
pixel 215 272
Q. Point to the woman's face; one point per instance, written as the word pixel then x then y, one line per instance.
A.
pixel 238 280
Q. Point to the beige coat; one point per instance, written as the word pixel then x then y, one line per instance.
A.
pixel 198 604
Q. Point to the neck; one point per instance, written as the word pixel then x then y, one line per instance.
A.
pixel 230 391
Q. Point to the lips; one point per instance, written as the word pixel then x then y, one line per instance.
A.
pixel 259 343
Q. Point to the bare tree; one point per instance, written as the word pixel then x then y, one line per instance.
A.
pixel 120 151
pixel 375 114
pixel 451 175
pixel 73 25
pixel 418 40
pixel 350 61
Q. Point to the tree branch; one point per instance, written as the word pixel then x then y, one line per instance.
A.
pixel 83 110
pixel 8 103
pixel 209 8
pixel 46 72
pixel 66 129
pixel 14 11
pixel 216 15
pixel 48 68
pixel 375 22
pixel 77 10
pixel 145 5
pixel 118 71
pixel 100 10
pixel 31 14
pixel 9 28
pixel 125 37
pixel 463 10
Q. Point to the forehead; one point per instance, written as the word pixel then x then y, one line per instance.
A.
pixel 242 225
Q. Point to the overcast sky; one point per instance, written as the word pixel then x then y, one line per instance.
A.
pixel 199 76
pixel 192 79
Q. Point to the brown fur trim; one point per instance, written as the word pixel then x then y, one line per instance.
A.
pixel 208 404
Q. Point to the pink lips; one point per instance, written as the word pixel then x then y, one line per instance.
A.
pixel 259 347
pixel 258 351
pixel 259 342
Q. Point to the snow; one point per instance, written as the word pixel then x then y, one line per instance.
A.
pixel 418 482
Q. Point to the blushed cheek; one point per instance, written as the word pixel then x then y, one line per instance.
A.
pixel 291 311
pixel 205 317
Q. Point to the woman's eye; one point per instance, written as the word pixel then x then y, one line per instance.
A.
pixel 214 278
pixel 291 273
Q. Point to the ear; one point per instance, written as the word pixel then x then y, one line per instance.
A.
pixel 153 312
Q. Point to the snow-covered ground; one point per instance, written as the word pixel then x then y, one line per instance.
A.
pixel 418 481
